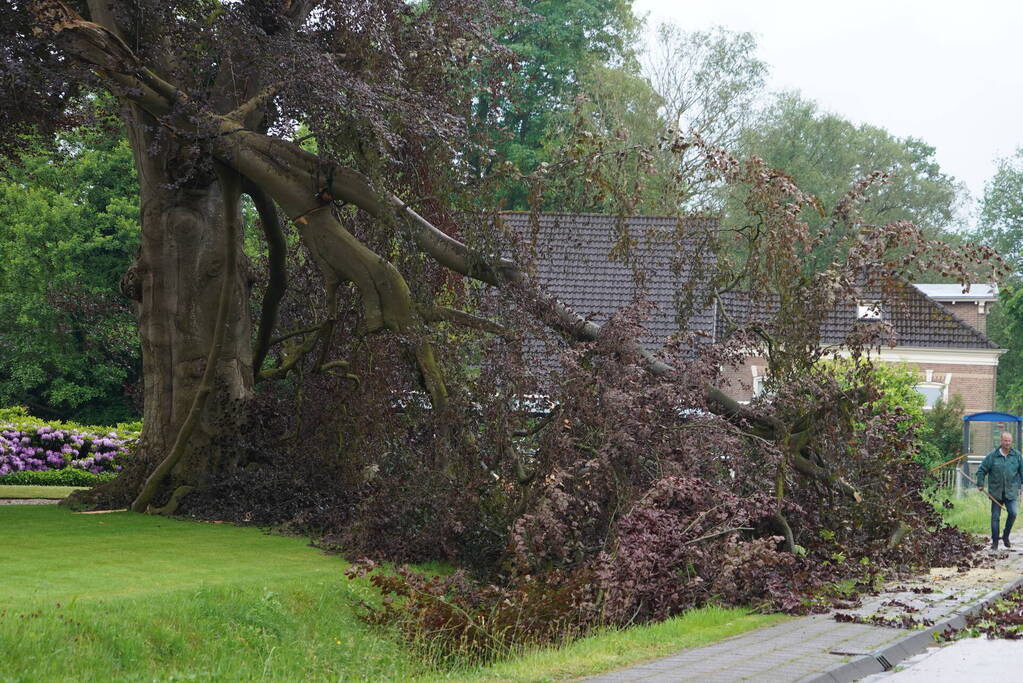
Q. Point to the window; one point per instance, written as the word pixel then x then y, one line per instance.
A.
pixel 932 393
pixel 759 385
pixel 869 310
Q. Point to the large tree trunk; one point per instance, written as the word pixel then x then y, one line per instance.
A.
pixel 176 282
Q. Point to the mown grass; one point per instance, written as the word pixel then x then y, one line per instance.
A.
pixel 124 597
pixel 48 492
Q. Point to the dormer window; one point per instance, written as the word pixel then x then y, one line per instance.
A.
pixel 868 310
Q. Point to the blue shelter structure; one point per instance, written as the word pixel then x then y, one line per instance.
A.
pixel 990 416
pixel 986 416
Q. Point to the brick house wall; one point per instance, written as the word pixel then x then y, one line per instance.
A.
pixel 737 380
pixel 973 382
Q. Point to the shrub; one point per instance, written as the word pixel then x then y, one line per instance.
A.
pixel 19 417
pixel 941 435
pixel 28 445
pixel 14 414
pixel 63 477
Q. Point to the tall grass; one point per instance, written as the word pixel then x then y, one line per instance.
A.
pixel 971 512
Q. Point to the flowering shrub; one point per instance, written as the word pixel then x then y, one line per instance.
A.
pixel 44 447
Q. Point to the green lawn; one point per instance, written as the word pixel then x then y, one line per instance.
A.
pixel 126 597
pixel 51 492
pixel 971 513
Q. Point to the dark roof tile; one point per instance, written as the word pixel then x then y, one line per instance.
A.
pixel 918 320
pixel 575 262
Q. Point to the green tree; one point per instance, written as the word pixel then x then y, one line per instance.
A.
pixel 609 145
pixel 1001 210
pixel 941 435
pixel 826 154
pixel 937 432
pixel 556 47
pixel 702 82
pixel 1005 327
pixel 1000 225
pixel 69 222
pixel 710 83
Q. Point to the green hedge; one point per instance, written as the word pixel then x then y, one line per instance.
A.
pixel 17 416
pixel 64 477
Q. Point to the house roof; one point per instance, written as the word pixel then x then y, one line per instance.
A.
pixel 980 291
pixel 918 320
pixel 579 259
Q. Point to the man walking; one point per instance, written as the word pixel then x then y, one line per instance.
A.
pixel 1003 468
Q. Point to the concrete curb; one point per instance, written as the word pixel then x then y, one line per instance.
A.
pixel 913 643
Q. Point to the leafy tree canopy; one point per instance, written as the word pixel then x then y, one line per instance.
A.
pixel 1001 226
pixel 69 224
pixel 710 83
pixel 826 154
pixel 555 48
pixel 1001 210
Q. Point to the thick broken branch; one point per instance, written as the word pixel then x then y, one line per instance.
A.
pixel 898 535
pixel 805 466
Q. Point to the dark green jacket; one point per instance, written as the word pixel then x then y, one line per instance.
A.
pixel 1004 473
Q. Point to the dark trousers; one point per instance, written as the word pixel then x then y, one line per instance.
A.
pixel 996 514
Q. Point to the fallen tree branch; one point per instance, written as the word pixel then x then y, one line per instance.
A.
pixel 719 533
pixel 540 425
pixel 900 533
pixel 804 466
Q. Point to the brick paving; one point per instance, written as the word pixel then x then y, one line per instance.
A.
pixel 805 649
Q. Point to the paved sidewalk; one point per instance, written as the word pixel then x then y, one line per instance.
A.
pixel 819 648
pixel 28 501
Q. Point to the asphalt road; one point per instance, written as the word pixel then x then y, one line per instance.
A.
pixel 970 659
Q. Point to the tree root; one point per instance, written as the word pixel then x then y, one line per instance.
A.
pixel 172 505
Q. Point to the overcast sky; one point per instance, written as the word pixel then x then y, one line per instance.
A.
pixel 948 73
